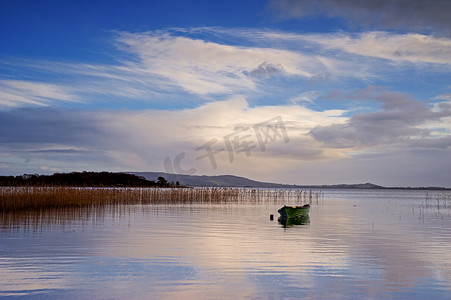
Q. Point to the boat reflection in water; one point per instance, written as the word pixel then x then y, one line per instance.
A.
pixel 294 215
pixel 294 221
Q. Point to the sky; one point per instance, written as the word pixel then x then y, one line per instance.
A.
pixel 290 91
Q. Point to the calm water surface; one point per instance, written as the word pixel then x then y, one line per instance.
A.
pixel 364 244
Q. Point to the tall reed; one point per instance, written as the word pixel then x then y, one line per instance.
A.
pixel 437 203
pixel 36 198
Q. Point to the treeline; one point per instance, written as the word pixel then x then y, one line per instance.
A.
pixel 83 179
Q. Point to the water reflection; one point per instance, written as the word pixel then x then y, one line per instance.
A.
pixel 358 245
pixel 288 222
pixel 47 220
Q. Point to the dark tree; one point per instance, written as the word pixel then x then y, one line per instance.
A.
pixel 92 179
pixel 162 182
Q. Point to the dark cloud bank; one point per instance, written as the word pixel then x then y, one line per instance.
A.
pixel 411 15
pixel 396 122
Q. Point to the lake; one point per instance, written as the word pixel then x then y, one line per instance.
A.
pixel 358 244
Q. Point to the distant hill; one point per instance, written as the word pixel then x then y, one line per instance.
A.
pixel 236 181
pixel 208 181
pixel 352 186
pixel 161 179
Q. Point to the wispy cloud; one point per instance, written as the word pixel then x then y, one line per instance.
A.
pixel 415 48
pixel 15 93
pixel 308 97
pixel 397 47
pixel 205 67
pixel 182 63
pixel 446 96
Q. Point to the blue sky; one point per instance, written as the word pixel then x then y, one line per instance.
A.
pixel 285 91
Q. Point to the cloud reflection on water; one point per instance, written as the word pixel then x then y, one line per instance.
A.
pixel 373 249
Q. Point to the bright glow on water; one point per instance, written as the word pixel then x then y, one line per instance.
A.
pixel 359 244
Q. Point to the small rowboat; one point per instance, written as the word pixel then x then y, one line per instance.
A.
pixel 291 214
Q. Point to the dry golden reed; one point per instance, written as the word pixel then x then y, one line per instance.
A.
pixel 35 198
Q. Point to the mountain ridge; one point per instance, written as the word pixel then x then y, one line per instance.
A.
pixel 238 181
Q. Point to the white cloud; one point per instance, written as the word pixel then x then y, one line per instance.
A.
pixel 204 67
pixel 14 93
pixel 414 48
pixel 346 54
pixel 409 47
pixel 313 60
pixel 141 140
pixel 446 96
pixel 309 97
pixel 179 64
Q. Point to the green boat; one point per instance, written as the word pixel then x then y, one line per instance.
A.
pixel 293 213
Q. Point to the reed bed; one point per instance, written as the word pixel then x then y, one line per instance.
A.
pixel 437 203
pixel 36 198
